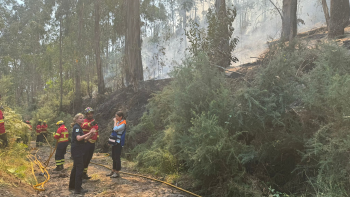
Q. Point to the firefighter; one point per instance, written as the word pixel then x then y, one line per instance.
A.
pixel 89 123
pixel 62 139
pixel 29 126
pixel 38 133
pixel 44 130
pixel 77 151
pixel 3 134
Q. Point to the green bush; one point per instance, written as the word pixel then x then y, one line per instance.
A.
pixel 286 126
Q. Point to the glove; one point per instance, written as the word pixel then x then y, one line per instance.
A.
pixel 93 123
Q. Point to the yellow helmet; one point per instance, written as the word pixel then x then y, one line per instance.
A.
pixel 40 120
pixel 44 121
pixel 59 122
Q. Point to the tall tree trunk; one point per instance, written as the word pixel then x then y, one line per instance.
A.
pixel 61 70
pixel 184 24
pixel 133 61
pixel 339 17
pixel 326 11
pixel 101 85
pixel 220 10
pixel 289 20
pixel 77 70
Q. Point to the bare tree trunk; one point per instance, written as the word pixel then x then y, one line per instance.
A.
pixel 77 70
pixel 133 61
pixel 184 22
pixel 289 20
pixel 61 70
pixel 101 85
pixel 220 9
pixel 326 11
pixel 339 17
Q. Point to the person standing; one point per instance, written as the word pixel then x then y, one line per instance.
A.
pixel 88 125
pixel 3 134
pixel 62 139
pixel 44 130
pixel 29 126
pixel 117 140
pixel 77 151
pixel 38 134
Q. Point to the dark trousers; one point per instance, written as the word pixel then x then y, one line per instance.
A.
pixel 89 152
pixel 76 176
pixel 3 139
pixel 44 136
pixel 116 153
pixel 39 139
pixel 60 152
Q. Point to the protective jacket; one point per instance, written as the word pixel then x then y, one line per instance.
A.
pixel 44 128
pixel 38 129
pixel 2 123
pixel 77 147
pixel 119 132
pixel 86 126
pixel 61 134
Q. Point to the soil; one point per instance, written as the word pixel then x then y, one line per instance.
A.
pixel 98 185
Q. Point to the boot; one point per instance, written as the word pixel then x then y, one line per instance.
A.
pixel 58 168
pixel 85 176
pixel 81 191
pixel 115 175
pixel 110 174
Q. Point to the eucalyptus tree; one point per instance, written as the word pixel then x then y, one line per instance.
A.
pixel 133 60
pixel 337 17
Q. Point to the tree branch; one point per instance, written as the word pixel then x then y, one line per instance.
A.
pixel 277 9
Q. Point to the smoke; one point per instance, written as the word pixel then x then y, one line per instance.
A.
pixel 261 22
pixel 257 22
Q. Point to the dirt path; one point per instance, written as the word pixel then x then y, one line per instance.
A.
pixel 99 184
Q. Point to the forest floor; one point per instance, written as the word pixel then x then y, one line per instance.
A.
pixel 98 185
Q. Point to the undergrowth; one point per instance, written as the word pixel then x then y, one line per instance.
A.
pixel 13 160
pixel 284 131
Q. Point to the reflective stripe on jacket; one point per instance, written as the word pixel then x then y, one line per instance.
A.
pixel 62 134
pixel 38 129
pixel 44 128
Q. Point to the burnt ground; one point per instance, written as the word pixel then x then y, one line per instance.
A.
pixel 98 185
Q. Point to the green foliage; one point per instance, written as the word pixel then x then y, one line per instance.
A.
pixel 215 40
pixel 14 162
pixel 15 128
pixel 13 158
pixel 288 126
pixel 187 127
pixel 326 159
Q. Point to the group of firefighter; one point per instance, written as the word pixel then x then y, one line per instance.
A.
pixel 41 131
pixel 84 136
pixel 62 137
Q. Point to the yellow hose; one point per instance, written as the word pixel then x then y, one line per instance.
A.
pixel 40 186
pixel 34 160
pixel 171 185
